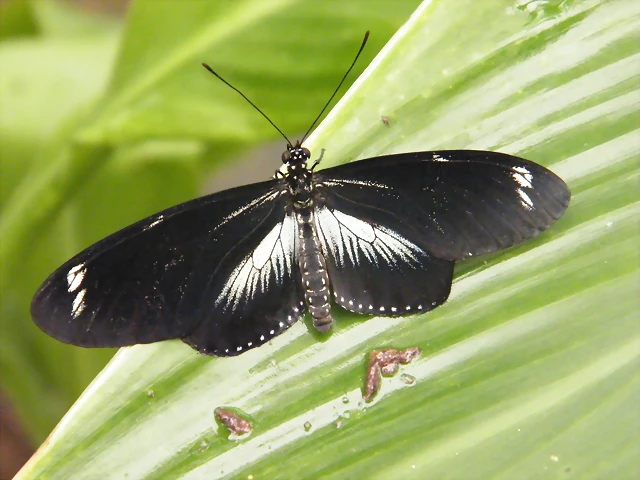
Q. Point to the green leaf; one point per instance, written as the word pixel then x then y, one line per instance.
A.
pixel 528 371
pixel 17 19
pixel 160 88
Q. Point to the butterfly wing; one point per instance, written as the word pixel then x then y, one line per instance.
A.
pixel 256 293
pixel 453 204
pixel 376 270
pixel 162 277
pixel 392 227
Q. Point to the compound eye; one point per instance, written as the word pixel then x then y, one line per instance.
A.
pixel 306 152
pixel 286 156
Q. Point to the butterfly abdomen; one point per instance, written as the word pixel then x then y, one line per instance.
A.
pixel 313 269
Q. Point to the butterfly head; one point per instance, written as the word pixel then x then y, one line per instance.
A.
pixel 296 157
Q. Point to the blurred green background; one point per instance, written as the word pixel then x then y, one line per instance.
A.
pixel 529 371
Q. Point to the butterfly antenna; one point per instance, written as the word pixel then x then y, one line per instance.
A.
pixel 364 42
pixel 250 102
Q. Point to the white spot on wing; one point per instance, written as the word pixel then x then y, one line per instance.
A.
pixel 438 158
pixel 75 277
pixel 522 176
pixel 269 262
pixel 78 303
pixel 348 238
pixel 526 201
pixel 262 254
pixel 364 183
pixel 160 219
pixel 359 228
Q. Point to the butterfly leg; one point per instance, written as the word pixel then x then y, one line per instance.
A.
pixel 317 162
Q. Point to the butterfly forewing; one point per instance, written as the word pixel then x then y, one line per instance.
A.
pixel 155 280
pixel 453 204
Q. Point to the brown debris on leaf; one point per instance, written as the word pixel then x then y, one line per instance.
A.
pixel 237 425
pixel 385 362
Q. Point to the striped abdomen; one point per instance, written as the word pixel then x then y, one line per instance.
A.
pixel 315 280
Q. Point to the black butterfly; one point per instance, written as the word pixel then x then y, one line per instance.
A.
pixel 229 271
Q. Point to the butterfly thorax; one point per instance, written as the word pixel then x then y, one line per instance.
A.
pixel 298 176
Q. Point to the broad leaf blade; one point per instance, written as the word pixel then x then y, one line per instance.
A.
pixel 530 369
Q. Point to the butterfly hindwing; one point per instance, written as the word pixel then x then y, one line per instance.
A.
pixel 375 270
pixel 256 292
pixel 155 279
pixel 455 203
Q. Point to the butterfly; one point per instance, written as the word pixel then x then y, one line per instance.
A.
pixel 229 271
